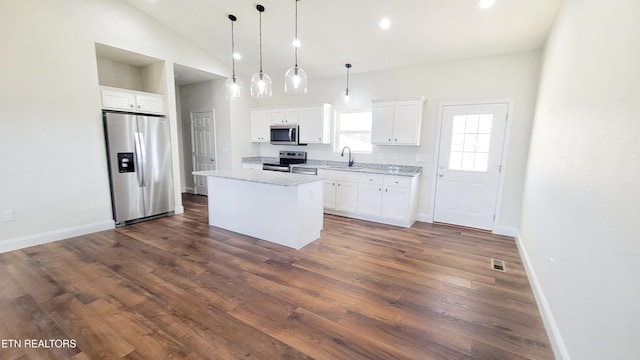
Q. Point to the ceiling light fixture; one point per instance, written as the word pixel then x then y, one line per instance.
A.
pixel 346 91
pixel 233 84
pixel 485 4
pixel 295 79
pixel 261 85
pixel 385 23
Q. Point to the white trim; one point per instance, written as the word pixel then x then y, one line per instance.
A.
pixel 505 230
pixel 557 344
pixel 55 235
pixel 424 217
pixel 179 210
pixel 189 190
pixel 505 147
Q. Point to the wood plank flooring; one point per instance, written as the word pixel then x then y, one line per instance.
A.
pixel 176 288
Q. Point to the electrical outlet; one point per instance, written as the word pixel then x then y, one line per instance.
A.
pixel 7 216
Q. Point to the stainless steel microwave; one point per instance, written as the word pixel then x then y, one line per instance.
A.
pixel 285 134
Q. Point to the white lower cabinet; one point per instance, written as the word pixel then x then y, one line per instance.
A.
pixel 381 198
pixel 370 191
pixel 395 203
pixel 346 196
pixel 329 194
pixel 340 190
pixel 252 166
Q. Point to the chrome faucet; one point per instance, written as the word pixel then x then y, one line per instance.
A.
pixel 350 160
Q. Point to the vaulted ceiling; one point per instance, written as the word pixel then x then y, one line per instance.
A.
pixel 334 32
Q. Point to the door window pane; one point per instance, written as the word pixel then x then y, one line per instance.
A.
pixel 470 142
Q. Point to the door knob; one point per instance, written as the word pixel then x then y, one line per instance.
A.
pixel 212 159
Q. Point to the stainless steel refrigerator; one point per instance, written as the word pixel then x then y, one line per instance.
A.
pixel 139 154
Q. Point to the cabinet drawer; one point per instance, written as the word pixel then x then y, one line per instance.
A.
pixel 348 176
pixel 398 181
pixel 372 179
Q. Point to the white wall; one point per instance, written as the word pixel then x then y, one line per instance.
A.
pixel 513 76
pixel 581 209
pixel 53 164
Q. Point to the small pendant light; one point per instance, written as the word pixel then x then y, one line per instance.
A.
pixel 233 84
pixel 346 91
pixel 295 79
pixel 261 85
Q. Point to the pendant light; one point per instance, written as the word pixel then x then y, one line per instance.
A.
pixel 295 79
pixel 261 85
pixel 233 84
pixel 346 91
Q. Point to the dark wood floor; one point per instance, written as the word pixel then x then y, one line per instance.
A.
pixel 178 288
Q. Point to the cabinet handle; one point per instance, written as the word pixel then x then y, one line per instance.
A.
pixel 389 139
pixel 320 138
pixel 396 140
pixel 379 189
pixel 131 105
pixel 386 190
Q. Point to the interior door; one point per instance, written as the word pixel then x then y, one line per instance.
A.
pixel 203 147
pixel 469 164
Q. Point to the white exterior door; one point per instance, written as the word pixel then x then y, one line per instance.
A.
pixel 203 147
pixel 469 164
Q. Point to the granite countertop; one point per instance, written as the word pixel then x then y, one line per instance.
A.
pixel 264 177
pixel 399 170
pixel 370 168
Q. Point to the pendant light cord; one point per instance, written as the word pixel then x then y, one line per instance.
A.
pixel 233 48
pixel 260 36
pixel 348 66
pixel 296 35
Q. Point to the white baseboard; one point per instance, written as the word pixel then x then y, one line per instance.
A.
pixel 178 210
pixel 189 190
pixel 55 235
pixel 557 344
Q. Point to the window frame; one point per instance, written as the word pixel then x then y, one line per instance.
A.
pixel 337 132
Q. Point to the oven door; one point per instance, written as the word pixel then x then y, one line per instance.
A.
pixel 284 135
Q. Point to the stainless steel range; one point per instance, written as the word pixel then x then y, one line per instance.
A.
pixel 287 158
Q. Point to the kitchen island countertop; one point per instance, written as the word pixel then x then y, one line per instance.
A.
pixel 265 177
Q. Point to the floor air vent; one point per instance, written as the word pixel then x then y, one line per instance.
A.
pixel 498 265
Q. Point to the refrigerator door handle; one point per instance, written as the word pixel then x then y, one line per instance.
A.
pixel 140 158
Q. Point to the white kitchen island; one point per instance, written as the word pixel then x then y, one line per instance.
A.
pixel 283 208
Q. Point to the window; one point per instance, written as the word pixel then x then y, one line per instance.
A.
pixel 470 142
pixel 353 129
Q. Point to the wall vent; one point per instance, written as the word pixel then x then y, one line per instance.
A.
pixel 498 265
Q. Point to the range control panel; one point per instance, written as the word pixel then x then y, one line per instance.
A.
pixel 125 163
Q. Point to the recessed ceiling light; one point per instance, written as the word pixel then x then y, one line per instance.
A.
pixel 385 23
pixel 237 56
pixel 485 4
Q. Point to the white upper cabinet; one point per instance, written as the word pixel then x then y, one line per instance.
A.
pixel 315 124
pixel 134 101
pixel 260 125
pixel 284 116
pixel 397 122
